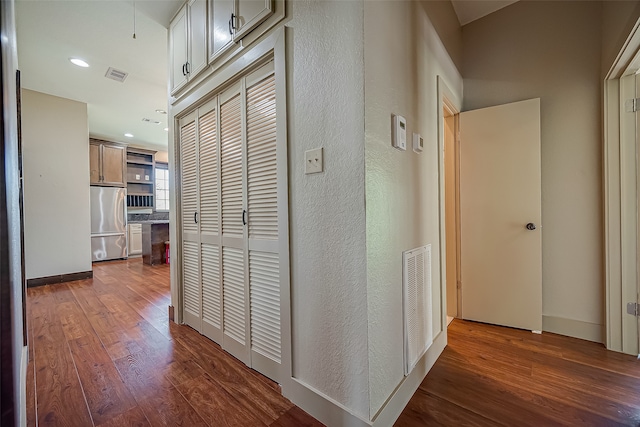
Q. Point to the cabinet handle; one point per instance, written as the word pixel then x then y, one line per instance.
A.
pixel 187 67
pixel 195 217
pixel 244 217
pixel 231 24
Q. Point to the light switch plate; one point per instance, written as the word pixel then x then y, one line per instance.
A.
pixel 313 161
pixel 137 177
pixel 418 143
pixel 146 177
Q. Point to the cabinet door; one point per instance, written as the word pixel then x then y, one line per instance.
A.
pixel 249 14
pixel 221 31
pixel 113 161
pixel 135 239
pixel 178 50
pixel 94 164
pixel 197 40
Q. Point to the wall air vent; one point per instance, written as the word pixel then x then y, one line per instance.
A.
pixel 417 305
pixel 116 75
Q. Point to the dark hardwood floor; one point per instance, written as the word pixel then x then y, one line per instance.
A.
pixel 489 375
pixel 102 352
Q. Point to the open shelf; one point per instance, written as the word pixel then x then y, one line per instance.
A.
pixel 140 182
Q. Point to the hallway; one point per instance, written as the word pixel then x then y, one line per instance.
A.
pixel 102 352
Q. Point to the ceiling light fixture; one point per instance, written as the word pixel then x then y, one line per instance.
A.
pixel 128 135
pixel 161 111
pixel 79 62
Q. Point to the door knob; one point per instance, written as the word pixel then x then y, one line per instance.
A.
pixel 530 226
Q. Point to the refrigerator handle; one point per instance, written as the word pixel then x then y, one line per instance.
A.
pixel 195 217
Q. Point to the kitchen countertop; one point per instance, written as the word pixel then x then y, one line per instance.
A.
pixel 152 221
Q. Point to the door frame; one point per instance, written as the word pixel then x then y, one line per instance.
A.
pixel 446 99
pixel 620 195
pixel 450 111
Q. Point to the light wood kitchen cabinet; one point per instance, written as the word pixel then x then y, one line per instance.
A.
pixel 107 163
pixel 188 43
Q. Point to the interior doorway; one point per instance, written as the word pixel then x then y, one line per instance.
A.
pixel 451 209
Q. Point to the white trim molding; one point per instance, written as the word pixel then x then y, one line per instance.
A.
pixel 620 172
pixel 573 328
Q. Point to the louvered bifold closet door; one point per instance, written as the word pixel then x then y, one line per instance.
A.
pixel 263 228
pixel 235 314
pixel 190 227
pixel 208 162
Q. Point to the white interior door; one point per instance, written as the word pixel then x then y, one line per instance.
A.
pixel 236 338
pixel 208 179
pixel 190 228
pixel 500 194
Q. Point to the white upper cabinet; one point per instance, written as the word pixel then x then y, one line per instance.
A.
pixel 221 29
pixel 208 32
pixel 249 14
pixel 197 37
pixel 178 50
pixel 188 43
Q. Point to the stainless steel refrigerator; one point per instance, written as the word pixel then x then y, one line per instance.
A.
pixel 108 223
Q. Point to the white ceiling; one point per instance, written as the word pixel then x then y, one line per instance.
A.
pixel 101 32
pixel 470 10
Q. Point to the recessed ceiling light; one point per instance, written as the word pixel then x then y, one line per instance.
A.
pixel 161 111
pixel 128 135
pixel 166 129
pixel 79 62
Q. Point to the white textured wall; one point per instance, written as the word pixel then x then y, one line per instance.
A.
pixel 403 57
pixel 552 50
pixel 327 212
pixel 57 216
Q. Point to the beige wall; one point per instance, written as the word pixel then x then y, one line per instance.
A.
pixel 403 58
pixel 445 21
pixel 552 50
pixel 57 215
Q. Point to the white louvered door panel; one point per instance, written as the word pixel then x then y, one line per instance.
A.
pixel 190 230
pixel 231 168
pixel 209 221
pixel 262 212
pixel 235 338
pixel 208 164
pixel 211 292
pixel 189 177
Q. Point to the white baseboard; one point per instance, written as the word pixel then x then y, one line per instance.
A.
pixel 573 328
pixel 320 406
pixel 394 406
pixel 333 414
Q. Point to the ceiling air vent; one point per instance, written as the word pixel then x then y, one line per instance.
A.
pixel 116 75
pixel 155 122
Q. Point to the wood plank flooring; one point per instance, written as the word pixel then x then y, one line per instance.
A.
pixel 102 352
pixel 490 376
